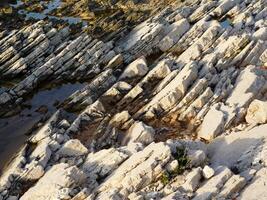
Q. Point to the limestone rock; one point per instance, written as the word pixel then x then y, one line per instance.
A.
pixel 72 148
pixel 41 153
pixel 178 29
pixel 137 68
pixel 196 157
pixel 102 163
pixel 232 186
pixel 257 112
pixel 192 180
pixel 138 171
pixel 58 177
pixel 257 188
pixel 261 34
pixel 207 172
pixel 212 124
pixel 213 185
pixel 116 61
pixel 227 150
pixel 139 133
pixel 171 167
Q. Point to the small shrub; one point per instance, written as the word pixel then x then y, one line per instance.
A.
pixel 183 161
pixel 165 178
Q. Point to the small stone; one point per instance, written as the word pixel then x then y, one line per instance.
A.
pixel 212 125
pixel 115 61
pixel 4 193
pixel 54 145
pixel 207 172
pixel 171 167
pixel 64 124
pixel 60 138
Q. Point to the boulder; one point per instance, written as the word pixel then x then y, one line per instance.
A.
pixel 137 68
pixel 139 133
pixel 257 112
pixel 212 124
pixel 72 148
pixel 50 185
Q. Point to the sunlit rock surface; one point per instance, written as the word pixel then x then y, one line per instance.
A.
pixel 175 109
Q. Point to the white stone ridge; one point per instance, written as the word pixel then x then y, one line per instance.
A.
pixel 175 108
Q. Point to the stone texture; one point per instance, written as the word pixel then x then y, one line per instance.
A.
pixel 72 148
pixel 137 68
pixel 192 180
pixel 212 124
pixel 189 74
pixel 139 133
pixel 58 177
pixel 257 112
pixel 256 189
pixel 207 172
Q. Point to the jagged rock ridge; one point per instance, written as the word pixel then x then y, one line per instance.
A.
pixel 187 74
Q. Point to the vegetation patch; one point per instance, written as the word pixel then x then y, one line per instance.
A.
pixel 183 162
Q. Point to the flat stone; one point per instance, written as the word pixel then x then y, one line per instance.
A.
pixel 227 150
pixel 72 148
pixel 137 68
pixel 212 124
pixel 178 29
pixel 257 188
pixel 232 186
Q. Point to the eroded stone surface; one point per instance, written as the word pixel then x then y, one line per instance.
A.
pixel 192 72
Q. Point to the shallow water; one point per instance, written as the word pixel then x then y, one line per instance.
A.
pixel 226 23
pixel 13 129
pixel 52 5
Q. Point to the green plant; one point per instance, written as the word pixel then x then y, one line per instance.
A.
pixel 183 161
pixel 165 178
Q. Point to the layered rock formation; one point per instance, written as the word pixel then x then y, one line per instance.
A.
pixel 176 109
